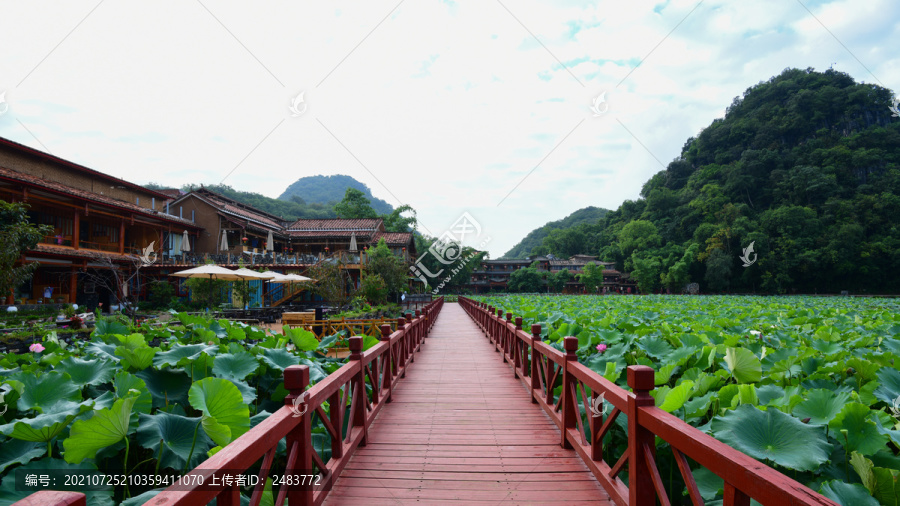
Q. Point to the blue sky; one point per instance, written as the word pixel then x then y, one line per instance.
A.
pixel 479 107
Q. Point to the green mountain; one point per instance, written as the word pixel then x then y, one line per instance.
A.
pixel 289 210
pixel 563 238
pixel 330 190
pixel 805 168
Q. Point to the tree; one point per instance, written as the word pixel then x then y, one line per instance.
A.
pixel 333 282
pixel 592 277
pixel 207 291
pixel 373 288
pixel 679 274
pixel 525 280
pixel 718 270
pixel 17 235
pixel 558 280
pixel 396 222
pixel 354 206
pixel 391 268
pixel 646 271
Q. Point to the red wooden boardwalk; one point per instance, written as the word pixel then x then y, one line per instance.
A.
pixel 461 429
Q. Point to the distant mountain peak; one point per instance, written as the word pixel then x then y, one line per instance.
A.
pixel 330 189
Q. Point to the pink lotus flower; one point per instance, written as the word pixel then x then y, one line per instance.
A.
pixel 36 347
pixel 601 348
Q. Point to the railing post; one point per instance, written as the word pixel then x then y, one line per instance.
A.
pixel 296 379
pixel 507 342
pixel 401 325
pixel 420 332
pixel 640 481
pixel 388 366
pixel 535 373
pixel 359 388
pixel 517 360
pixel 569 409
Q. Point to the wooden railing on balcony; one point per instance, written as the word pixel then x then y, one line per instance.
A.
pixel 543 369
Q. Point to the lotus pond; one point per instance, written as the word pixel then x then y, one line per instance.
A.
pixel 145 400
pixel 808 385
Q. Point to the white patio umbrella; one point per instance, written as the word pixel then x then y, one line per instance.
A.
pixel 270 242
pixel 247 274
pixel 208 271
pixel 353 242
pixel 185 242
pixel 224 245
pixel 290 278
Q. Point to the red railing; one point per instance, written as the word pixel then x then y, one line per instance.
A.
pixel 544 369
pixel 366 383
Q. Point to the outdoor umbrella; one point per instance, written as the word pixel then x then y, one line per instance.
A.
pixel 185 242
pixel 270 242
pixel 208 271
pixel 353 242
pixel 224 245
pixel 290 278
pixel 247 274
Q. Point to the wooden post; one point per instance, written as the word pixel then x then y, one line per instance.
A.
pixel 296 379
pixel 122 237
pixel 507 337
pixel 535 372
pixel 569 409
pixel 359 388
pixel 401 324
pixel 517 359
pixel 640 480
pixel 389 368
pixel 420 333
pixel 76 230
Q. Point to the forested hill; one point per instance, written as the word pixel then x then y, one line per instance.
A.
pixel 289 210
pixel 805 166
pixel 330 190
pixel 563 237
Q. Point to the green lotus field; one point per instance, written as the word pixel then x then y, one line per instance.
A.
pixel 145 401
pixel 808 385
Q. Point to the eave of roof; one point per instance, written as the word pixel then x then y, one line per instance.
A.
pixel 61 189
pixel 78 167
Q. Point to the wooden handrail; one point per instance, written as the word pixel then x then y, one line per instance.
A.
pixel 325 328
pixel 365 383
pixel 543 369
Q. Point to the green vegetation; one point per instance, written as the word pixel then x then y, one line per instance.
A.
pixel 17 235
pixel 806 167
pixel 563 238
pixel 122 401
pixel 327 190
pixel 355 206
pixel 810 386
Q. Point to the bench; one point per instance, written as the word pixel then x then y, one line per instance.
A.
pixel 304 318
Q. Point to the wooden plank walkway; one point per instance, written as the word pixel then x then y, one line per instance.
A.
pixel 462 430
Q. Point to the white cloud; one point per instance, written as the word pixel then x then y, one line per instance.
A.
pixel 449 105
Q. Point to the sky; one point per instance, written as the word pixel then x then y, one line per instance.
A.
pixel 515 112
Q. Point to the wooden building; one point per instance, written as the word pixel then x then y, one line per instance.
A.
pixel 100 224
pixel 494 274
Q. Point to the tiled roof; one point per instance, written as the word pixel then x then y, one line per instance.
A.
pixel 360 235
pixel 233 208
pixel 336 224
pixel 28 179
pixel 171 192
pixel 394 238
pixel 72 165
